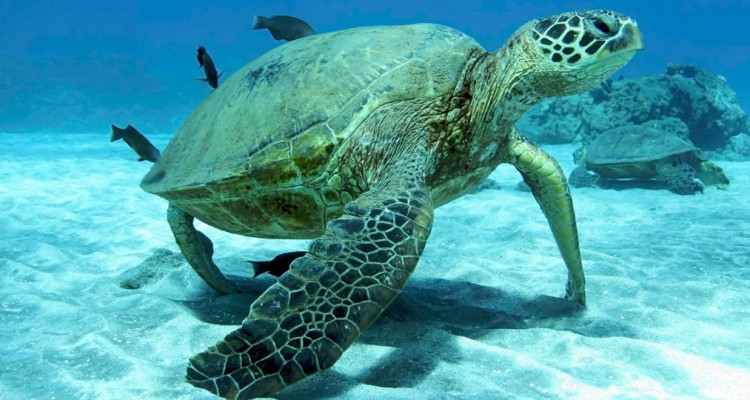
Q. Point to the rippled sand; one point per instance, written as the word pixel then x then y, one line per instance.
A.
pixel 97 303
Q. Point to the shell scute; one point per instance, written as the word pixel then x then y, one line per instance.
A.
pixel 312 150
pixel 269 143
pixel 272 167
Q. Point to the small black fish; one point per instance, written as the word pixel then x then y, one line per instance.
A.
pixel 278 265
pixel 201 53
pixel 205 61
pixel 137 142
pixel 283 27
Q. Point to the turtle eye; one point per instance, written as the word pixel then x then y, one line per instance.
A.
pixel 603 26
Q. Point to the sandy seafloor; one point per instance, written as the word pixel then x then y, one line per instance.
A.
pixel 668 313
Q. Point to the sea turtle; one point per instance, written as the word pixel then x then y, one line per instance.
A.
pixel 640 152
pixel 353 138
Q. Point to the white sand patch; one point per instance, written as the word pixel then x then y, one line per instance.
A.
pixel 668 289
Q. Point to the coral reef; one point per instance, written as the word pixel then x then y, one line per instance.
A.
pixel 686 100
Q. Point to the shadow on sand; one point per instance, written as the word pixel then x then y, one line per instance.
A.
pixel 436 308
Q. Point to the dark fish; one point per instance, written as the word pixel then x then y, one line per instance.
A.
pixel 205 61
pixel 137 142
pixel 278 265
pixel 201 53
pixel 283 27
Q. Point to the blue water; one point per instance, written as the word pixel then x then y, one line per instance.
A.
pixel 79 66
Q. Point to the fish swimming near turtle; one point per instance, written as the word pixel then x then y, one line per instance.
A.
pixel 283 27
pixel 278 265
pixel 352 139
pixel 205 61
pixel 137 142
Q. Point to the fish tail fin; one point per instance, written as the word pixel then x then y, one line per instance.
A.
pixel 260 22
pixel 260 267
pixel 116 134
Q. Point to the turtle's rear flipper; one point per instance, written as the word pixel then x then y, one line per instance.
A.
pixel 680 178
pixel 304 322
pixel 580 177
pixel 198 250
pixel 547 182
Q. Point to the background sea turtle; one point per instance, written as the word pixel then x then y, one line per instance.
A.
pixel 642 152
pixel 353 138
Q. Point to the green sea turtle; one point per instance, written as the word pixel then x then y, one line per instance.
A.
pixel 353 138
pixel 640 152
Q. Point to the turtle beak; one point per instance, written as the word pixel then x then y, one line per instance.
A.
pixel 637 36
pixel 632 35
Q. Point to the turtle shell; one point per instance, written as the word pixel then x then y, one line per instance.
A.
pixel 257 156
pixel 634 151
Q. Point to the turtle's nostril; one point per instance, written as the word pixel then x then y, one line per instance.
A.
pixel 602 26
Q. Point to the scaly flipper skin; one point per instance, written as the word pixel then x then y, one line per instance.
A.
pixel 581 177
pixel 304 322
pixel 680 178
pixel 547 182
pixel 198 250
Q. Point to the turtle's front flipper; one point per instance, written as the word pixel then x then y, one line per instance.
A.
pixel 547 182
pixel 304 322
pixel 198 250
pixel 680 178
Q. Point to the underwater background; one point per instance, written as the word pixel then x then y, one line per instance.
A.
pixel 79 66
pixel 96 301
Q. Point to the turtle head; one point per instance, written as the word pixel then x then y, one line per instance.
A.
pixel 579 155
pixel 572 52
